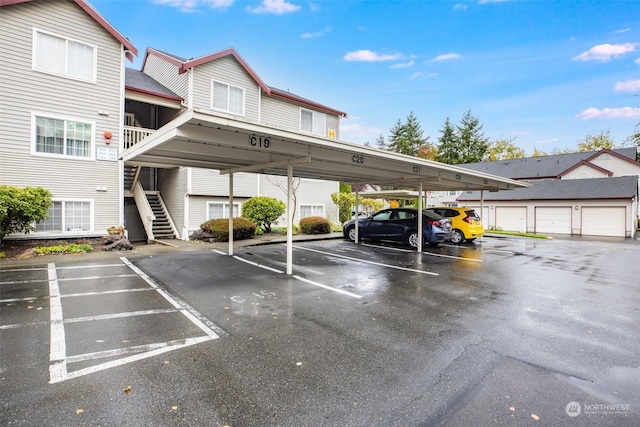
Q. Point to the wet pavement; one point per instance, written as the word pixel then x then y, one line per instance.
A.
pixel 507 331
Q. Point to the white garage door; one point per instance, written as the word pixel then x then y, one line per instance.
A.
pixel 604 221
pixel 511 218
pixel 554 220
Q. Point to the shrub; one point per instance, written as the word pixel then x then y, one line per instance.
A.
pixel 20 208
pixel 73 248
pixel 263 211
pixel 315 225
pixel 219 228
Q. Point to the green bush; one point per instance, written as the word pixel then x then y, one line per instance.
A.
pixel 64 249
pixel 21 208
pixel 315 225
pixel 263 211
pixel 219 228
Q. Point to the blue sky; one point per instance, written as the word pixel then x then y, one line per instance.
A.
pixel 543 73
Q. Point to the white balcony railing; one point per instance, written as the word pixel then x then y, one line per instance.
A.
pixel 133 135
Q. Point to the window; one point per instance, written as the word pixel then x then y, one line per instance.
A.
pixel 216 210
pixel 67 216
pixel 58 55
pixel 63 137
pixel 311 121
pixel 227 98
pixel 311 210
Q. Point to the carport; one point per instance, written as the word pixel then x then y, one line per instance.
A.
pixel 204 139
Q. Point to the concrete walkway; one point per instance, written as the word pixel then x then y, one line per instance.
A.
pixel 162 247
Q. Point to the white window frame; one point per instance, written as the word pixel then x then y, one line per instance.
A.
pixel 228 98
pixel 225 209
pixel 318 122
pixel 38 67
pixel 34 137
pixel 64 217
pixel 313 207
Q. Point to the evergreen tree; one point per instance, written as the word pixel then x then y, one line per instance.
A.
pixel 448 144
pixel 408 137
pixel 472 142
pixel 381 143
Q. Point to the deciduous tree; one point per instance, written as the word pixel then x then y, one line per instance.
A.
pixel 503 149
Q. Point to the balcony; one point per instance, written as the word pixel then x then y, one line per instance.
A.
pixel 134 134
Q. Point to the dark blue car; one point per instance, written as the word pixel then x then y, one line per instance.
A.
pixel 400 225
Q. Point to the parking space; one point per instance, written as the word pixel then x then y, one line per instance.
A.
pixel 498 329
pixel 94 316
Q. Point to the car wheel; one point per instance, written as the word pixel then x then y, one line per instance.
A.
pixel 457 237
pixel 412 240
pixel 351 233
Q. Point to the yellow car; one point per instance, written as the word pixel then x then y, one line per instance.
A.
pixel 465 222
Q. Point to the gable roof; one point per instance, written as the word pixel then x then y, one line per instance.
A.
pixel 545 166
pixel 186 64
pixel 589 165
pixel 621 187
pixel 131 49
pixel 137 81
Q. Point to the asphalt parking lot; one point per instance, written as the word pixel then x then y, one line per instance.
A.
pixel 507 331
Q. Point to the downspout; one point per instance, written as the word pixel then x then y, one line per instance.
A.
pixel 121 219
pixel 185 215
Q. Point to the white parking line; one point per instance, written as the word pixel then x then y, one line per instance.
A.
pixel 58 369
pixel 259 265
pixel 340 291
pixel 413 270
pixel 424 253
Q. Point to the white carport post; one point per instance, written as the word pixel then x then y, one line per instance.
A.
pixel 289 220
pixel 230 214
pixel 357 211
pixel 420 236
pixel 482 212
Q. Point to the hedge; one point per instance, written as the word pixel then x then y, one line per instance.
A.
pixel 315 225
pixel 219 228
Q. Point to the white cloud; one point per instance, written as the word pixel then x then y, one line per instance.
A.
pixel 446 57
pixel 421 75
pixel 605 52
pixel 460 6
pixel 622 30
pixel 277 7
pixel 628 86
pixel 369 56
pixel 194 5
pixel 402 65
pixel 610 113
pixel 316 34
pixel 637 61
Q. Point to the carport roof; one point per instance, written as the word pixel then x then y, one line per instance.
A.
pixel 206 139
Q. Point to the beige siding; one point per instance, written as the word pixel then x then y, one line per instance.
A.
pixel 26 92
pixel 228 71
pixel 167 74
pixel 308 192
pixel 618 166
pixel 209 182
pixel 173 186
pixel 279 113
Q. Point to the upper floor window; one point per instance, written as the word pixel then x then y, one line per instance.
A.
pixel 63 137
pixel 312 121
pixel 227 98
pixel 65 57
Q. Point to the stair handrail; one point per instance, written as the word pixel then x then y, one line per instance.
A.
pixel 144 209
pixel 166 212
pixel 136 175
